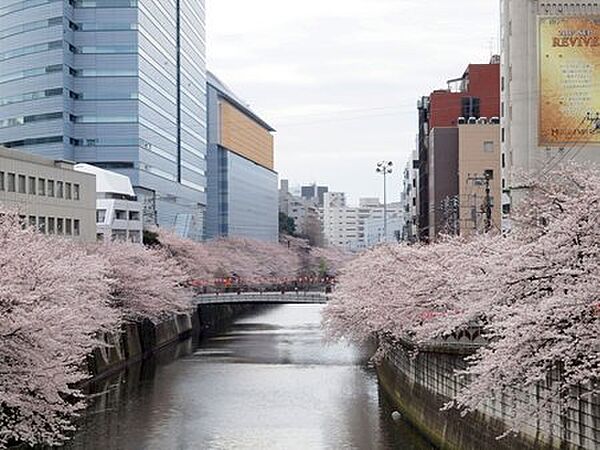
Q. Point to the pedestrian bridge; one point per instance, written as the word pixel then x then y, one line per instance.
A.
pixel 262 298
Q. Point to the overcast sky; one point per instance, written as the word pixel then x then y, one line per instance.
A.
pixel 339 79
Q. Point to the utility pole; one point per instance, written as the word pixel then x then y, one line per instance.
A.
pixel 384 168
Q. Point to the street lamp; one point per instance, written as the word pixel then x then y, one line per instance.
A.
pixel 384 168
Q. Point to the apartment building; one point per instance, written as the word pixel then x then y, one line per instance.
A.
pixel 345 226
pixel 49 195
pixel 118 213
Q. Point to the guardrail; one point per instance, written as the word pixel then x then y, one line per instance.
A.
pixel 262 298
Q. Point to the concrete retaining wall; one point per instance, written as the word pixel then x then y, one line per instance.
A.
pixel 421 386
pixel 138 340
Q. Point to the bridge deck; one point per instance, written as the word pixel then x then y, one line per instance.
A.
pixel 262 298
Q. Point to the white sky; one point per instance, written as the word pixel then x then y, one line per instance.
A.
pixel 339 79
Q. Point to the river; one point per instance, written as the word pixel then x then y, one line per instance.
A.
pixel 268 382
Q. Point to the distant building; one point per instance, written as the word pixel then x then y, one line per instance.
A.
pixel 443 181
pixel 409 199
pixel 49 195
pixel 242 183
pixel 375 229
pixel 345 226
pixel 315 193
pixel 479 162
pixel 475 95
pixel 118 213
pixel 305 213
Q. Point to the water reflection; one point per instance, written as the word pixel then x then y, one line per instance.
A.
pixel 268 383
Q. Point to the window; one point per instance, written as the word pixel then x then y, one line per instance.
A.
pixel 120 214
pixel 59 189
pixel 68 227
pixel 76 195
pixel 11 183
pixel 60 226
pixel 135 237
pixel 41 186
pixel 100 216
pixel 488 146
pixel 68 191
pixel 50 225
pixel 50 188
pixel 42 224
pixel 76 227
pixel 489 174
pixel 134 215
pixel 1 181
pixel 32 221
pixel 32 186
pixel 22 183
pixel 119 235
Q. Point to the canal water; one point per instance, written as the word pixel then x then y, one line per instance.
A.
pixel 267 382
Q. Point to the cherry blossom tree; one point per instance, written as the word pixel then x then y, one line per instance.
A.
pixel 534 293
pixel 146 283
pixel 53 304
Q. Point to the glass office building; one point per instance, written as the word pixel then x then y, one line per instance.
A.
pixel 242 184
pixel 120 84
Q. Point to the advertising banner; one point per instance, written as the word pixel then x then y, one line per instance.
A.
pixel 569 69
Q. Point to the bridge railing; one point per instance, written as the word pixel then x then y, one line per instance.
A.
pixel 262 297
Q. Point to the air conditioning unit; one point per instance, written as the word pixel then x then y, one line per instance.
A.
pixel 495 120
pixel 461 120
pixel 472 120
pixel 482 120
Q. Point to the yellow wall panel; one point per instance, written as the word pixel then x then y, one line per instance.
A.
pixel 242 135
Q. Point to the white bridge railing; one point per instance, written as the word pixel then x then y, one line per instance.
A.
pixel 262 298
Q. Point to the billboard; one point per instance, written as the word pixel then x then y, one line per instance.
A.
pixel 569 70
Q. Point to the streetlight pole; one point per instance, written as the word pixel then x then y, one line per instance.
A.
pixel 384 168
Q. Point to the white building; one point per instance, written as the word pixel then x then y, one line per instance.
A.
pixel 550 103
pixel 409 200
pixel 375 229
pixel 118 213
pixel 304 211
pixel 344 226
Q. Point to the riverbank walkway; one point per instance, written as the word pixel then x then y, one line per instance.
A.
pixel 262 298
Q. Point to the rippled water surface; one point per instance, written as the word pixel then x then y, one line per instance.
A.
pixel 269 382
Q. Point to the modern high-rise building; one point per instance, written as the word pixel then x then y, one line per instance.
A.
pixel 242 182
pixel 120 84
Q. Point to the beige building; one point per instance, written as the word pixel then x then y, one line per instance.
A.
pixel 49 195
pixel 479 163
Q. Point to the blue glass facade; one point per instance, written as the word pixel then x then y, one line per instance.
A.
pixel 117 83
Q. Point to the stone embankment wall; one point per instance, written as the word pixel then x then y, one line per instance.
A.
pixel 137 341
pixel 420 386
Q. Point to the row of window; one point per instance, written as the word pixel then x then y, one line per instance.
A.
pixel 28 96
pixel 54 225
pixel 22 120
pixel 120 214
pixel 11 182
pixel 122 236
pixel 24 4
